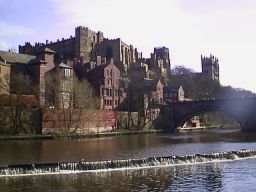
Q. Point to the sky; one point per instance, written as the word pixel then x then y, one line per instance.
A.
pixel 189 28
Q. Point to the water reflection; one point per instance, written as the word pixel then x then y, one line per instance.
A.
pixel 125 147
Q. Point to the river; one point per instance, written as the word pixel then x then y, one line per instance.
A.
pixel 237 175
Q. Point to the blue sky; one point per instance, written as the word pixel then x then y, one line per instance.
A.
pixel 189 28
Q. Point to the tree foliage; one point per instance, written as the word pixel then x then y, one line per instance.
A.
pixel 181 70
pixel 197 87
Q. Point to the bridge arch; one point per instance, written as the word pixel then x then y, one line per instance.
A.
pixel 201 110
pixel 243 110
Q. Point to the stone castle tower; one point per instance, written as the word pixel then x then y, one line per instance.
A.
pixel 87 43
pixel 210 68
pixel 160 59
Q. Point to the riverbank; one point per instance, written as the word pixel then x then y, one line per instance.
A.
pixel 187 129
pixel 204 128
pixel 77 135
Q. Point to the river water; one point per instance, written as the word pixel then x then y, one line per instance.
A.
pixel 238 175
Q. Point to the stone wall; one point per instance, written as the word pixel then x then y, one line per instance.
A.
pixel 86 121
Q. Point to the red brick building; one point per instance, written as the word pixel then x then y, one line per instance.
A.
pixel 26 73
pixel 106 80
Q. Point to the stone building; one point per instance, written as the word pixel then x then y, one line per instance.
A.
pixel 160 61
pixel 86 46
pixel 153 95
pixel 210 68
pixel 29 70
pixel 173 94
pixel 59 87
pixel 107 82
pixel 123 54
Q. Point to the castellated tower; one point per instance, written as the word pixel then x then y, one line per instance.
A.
pixel 210 68
pixel 160 59
pixel 87 43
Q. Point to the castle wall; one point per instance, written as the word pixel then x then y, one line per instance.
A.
pixel 86 43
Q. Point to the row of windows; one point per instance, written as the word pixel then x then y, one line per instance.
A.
pixel 108 102
pixel 111 72
pixel 110 81
pixel 111 92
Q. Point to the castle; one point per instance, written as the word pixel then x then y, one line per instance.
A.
pixel 88 45
pixel 88 52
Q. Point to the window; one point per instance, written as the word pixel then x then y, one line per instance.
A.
pixel 27 77
pixel 116 93
pixel 67 72
pixel 116 82
pixel 66 95
pixel 107 92
pixel 108 72
pixel 109 82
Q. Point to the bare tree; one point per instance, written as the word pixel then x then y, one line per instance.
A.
pixel 70 100
pixel 4 85
pixel 137 101
pixel 17 114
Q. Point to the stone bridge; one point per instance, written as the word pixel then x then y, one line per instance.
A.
pixel 243 110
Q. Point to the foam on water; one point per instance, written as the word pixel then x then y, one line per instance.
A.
pixel 115 165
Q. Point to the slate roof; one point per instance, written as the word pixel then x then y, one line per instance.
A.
pixel 15 58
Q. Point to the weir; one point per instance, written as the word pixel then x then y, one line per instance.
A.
pixel 83 166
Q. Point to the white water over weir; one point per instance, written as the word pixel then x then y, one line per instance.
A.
pixel 83 166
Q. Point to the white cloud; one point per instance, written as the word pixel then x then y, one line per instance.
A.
pixel 3 45
pixel 8 30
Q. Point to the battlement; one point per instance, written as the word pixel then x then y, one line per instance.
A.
pixel 161 48
pixel 82 28
pixel 209 60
